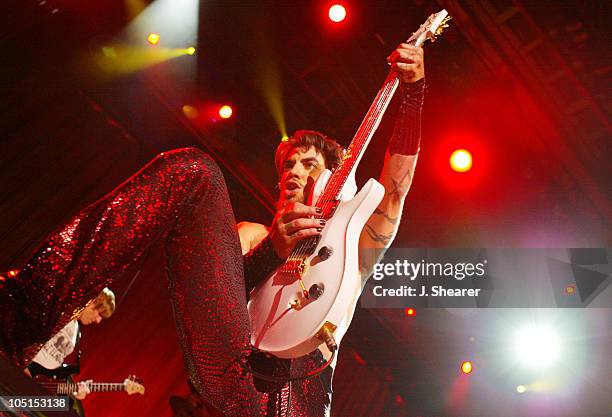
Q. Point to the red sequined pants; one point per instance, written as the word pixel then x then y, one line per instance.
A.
pixel 180 197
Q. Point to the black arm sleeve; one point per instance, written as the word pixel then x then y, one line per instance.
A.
pixel 406 138
pixel 260 262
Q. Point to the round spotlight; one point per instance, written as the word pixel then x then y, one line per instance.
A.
pixel 153 38
pixel 537 347
pixel 521 389
pixel 337 13
pixel 191 50
pixel 225 112
pixel 411 312
pixel 461 160
pixel 466 367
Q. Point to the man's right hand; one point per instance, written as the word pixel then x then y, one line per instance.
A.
pixel 292 223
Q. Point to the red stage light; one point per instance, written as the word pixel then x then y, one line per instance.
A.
pixel 461 160
pixel 225 112
pixel 337 13
pixel 466 367
pixel 153 38
pixel 410 312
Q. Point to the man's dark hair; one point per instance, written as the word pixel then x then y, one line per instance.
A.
pixel 327 147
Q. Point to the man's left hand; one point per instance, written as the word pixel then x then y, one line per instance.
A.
pixel 408 61
pixel 83 390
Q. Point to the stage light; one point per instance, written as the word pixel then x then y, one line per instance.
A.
pixel 537 347
pixel 337 13
pixel 153 38
pixel 466 367
pixel 461 160
pixel 285 138
pixel 191 50
pixel 190 112
pixel 521 389
pixel 410 312
pixel 225 112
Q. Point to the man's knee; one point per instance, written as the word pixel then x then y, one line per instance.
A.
pixel 190 162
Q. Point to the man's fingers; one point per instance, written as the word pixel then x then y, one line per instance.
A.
pixel 304 233
pixel 299 210
pixel 405 67
pixel 301 223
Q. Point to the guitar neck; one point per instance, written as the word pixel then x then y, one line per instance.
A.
pixel 372 119
pixel 69 388
pixel 361 140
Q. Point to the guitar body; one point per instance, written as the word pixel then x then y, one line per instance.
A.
pixel 285 330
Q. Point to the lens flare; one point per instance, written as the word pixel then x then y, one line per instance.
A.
pixel 153 38
pixel 225 112
pixel 461 160
pixel 466 367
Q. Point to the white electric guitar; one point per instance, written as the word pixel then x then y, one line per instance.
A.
pixel 310 299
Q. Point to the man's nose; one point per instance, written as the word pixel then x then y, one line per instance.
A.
pixel 98 319
pixel 296 171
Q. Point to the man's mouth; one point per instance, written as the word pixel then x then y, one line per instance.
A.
pixel 292 185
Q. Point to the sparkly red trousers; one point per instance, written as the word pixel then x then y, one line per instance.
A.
pixel 179 197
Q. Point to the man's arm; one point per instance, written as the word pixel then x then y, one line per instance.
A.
pixel 400 159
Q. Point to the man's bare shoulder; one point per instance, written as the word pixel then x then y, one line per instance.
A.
pixel 250 234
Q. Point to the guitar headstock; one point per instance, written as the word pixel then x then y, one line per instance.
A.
pixel 133 385
pixel 433 27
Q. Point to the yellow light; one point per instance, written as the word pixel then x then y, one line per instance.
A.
pixel 225 112
pixel 466 367
pixel 153 38
pixel 191 50
pixel 285 138
pixel 337 13
pixel 190 112
pixel 410 312
pixel 461 160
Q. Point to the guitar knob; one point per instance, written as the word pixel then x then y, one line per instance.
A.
pixel 315 291
pixel 325 252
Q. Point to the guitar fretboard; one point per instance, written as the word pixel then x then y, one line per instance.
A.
pixel 69 388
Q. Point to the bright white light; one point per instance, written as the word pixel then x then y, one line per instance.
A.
pixel 337 13
pixel 521 389
pixel 537 347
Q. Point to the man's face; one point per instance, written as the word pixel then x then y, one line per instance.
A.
pixel 91 314
pixel 299 171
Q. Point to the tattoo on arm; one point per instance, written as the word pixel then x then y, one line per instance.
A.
pixel 399 186
pixel 392 220
pixel 378 237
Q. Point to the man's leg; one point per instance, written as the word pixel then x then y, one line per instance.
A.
pixel 167 198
